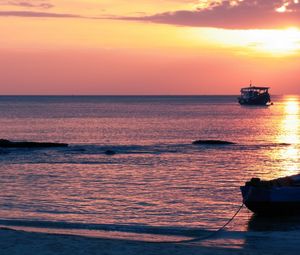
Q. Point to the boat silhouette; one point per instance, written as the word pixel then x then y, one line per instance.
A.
pixel 254 95
pixel 279 196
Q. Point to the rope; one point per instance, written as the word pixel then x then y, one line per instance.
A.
pixel 207 236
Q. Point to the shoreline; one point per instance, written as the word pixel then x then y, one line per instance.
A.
pixel 227 242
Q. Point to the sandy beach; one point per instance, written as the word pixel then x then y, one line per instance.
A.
pixel 21 242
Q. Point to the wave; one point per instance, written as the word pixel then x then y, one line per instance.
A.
pixel 184 148
pixel 212 142
pixel 129 149
pixel 111 154
pixel 136 228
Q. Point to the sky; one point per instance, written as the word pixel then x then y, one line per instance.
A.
pixel 148 47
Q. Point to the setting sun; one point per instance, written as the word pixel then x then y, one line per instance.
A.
pixel 272 42
pixel 277 42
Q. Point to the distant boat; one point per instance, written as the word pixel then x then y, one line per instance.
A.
pixel 254 95
pixel 275 197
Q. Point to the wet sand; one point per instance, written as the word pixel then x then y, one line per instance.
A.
pixel 227 242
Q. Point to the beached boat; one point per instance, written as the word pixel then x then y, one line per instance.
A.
pixel 275 197
pixel 253 95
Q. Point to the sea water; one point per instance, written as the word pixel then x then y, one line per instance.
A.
pixel 157 181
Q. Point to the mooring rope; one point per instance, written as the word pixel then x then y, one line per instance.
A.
pixel 210 235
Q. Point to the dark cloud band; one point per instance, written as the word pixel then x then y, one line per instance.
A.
pixel 37 14
pixel 41 4
pixel 248 14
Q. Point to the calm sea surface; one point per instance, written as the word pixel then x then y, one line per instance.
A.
pixel 157 180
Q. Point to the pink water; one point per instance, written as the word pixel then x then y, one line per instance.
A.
pixel 157 182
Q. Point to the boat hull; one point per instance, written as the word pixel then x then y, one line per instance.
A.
pixel 274 208
pixel 262 100
pixel 272 200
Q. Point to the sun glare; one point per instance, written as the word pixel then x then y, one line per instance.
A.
pixel 290 134
pixel 291 121
pixel 275 42
pixel 279 42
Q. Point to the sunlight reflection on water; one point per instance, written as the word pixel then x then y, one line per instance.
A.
pixel 289 133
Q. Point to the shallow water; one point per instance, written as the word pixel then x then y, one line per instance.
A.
pixel 157 180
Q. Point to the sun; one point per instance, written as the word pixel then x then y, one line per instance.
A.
pixel 273 42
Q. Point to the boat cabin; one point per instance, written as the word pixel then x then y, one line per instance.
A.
pixel 255 91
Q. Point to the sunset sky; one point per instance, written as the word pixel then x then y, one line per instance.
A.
pixel 148 46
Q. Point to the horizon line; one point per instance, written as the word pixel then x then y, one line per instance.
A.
pixel 130 95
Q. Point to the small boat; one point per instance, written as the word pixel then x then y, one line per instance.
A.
pixel 275 197
pixel 254 95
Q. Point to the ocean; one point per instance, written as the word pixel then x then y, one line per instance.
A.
pixel 157 182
